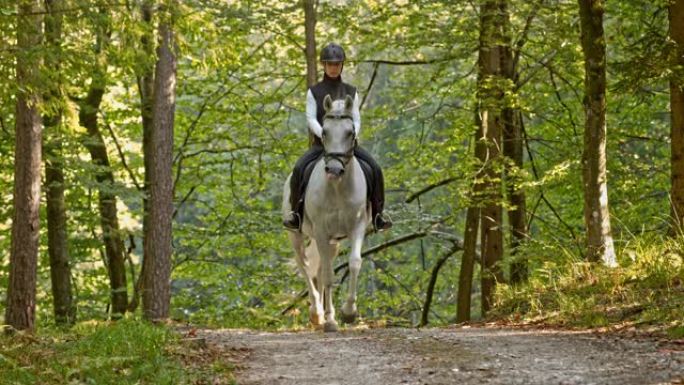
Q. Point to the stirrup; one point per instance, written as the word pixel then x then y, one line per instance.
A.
pixel 293 223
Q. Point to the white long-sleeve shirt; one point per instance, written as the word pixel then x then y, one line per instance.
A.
pixel 311 110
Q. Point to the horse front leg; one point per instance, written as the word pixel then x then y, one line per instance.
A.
pixel 349 310
pixel 304 264
pixel 326 276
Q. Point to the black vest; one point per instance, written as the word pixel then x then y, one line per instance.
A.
pixel 336 88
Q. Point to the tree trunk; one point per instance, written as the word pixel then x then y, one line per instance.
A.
pixel 21 293
pixel 111 233
pixel 465 279
pixel 677 118
pixel 158 247
pixel 146 88
pixel 490 94
pixel 517 220
pixel 596 213
pixel 310 50
pixel 513 151
pixel 60 271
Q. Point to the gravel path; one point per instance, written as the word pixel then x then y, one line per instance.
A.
pixel 450 356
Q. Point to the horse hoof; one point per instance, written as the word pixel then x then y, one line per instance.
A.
pixel 330 326
pixel 316 320
pixel 349 318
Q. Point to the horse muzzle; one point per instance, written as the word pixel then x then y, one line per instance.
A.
pixel 334 171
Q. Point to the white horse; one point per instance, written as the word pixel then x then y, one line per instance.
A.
pixel 335 207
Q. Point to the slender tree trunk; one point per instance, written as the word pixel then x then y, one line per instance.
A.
pixel 517 219
pixel 146 88
pixel 310 31
pixel 513 151
pixel 310 50
pixel 158 247
pixel 472 225
pixel 21 293
pixel 465 279
pixel 490 97
pixel 60 271
pixel 677 118
pixel 114 247
pixel 596 213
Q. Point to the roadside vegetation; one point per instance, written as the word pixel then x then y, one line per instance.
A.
pixel 646 290
pixel 119 352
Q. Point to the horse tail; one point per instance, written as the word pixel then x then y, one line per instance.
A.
pixel 313 259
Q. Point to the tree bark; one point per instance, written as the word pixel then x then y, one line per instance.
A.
pixel 517 219
pixel 676 16
pixel 490 94
pixel 158 247
pixel 310 50
pixel 146 89
pixel 513 151
pixel 94 142
pixel 21 293
pixel 60 271
pixel 465 279
pixel 596 213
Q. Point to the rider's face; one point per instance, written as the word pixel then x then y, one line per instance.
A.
pixel 332 69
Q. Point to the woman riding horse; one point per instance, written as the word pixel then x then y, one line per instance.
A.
pixel 332 58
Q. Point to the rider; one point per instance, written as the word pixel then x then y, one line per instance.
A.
pixel 332 58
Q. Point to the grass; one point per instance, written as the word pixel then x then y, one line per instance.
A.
pixel 122 352
pixel 646 290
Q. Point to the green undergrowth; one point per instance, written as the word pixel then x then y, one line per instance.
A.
pixel 122 352
pixel 646 290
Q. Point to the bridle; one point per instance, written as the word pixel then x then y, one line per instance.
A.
pixel 342 157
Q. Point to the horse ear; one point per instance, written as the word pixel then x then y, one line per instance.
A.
pixel 348 103
pixel 327 103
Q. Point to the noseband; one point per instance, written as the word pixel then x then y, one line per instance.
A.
pixel 342 157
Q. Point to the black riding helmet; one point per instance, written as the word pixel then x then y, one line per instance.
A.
pixel 332 53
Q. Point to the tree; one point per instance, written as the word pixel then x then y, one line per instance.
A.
pixel 158 247
pixel 145 80
pixel 94 142
pixel 490 94
pixel 513 147
pixel 310 49
pixel 60 270
pixel 676 17
pixel 21 294
pixel 596 213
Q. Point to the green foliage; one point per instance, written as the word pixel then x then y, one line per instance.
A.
pixel 124 352
pixel 646 289
pixel 240 127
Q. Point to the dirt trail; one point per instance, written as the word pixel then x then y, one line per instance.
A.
pixel 450 356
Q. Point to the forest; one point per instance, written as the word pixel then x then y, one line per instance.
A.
pixel 533 155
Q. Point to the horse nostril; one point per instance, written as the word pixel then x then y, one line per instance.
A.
pixel 341 171
pixel 327 169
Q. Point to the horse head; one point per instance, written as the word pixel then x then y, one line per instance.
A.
pixel 338 136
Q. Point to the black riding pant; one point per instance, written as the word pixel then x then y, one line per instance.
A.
pixel 298 181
